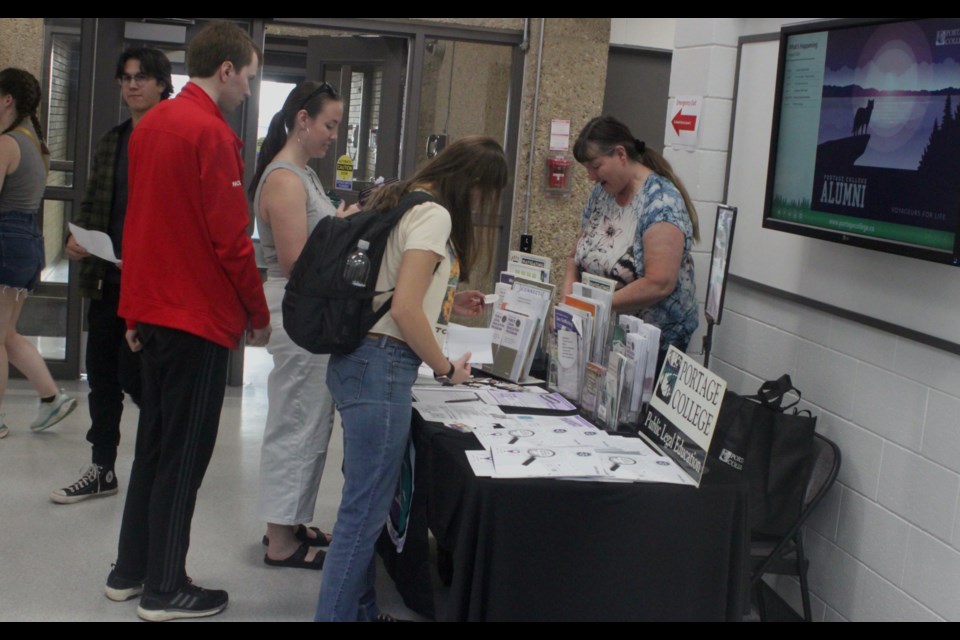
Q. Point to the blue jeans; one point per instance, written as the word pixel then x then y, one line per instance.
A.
pixel 371 387
pixel 21 250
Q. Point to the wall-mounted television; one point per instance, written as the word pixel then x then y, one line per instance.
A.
pixel 865 147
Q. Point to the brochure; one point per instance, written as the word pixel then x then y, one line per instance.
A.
pixel 594 378
pixel 539 462
pixel 533 401
pixel 528 272
pixel 512 335
pixel 530 260
pixel 592 307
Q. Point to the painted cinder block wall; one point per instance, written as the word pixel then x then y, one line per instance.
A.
pixel 885 545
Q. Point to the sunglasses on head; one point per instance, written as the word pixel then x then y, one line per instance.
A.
pixel 323 88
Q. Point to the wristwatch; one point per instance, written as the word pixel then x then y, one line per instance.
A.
pixel 447 378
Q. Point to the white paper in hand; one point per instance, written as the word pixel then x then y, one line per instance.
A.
pixel 477 342
pixel 96 242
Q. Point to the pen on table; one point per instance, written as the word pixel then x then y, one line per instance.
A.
pixel 461 400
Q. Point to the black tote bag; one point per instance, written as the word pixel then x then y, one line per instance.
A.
pixel 773 447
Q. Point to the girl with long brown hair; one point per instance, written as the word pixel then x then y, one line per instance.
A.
pixel 429 251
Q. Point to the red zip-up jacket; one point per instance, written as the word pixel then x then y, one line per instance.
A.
pixel 188 263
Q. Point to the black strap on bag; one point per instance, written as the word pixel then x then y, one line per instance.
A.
pixel 322 311
pixel 772 446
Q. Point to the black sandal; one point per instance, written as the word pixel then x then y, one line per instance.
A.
pixel 298 560
pixel 322 539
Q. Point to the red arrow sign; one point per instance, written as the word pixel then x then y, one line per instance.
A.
pixel 681 122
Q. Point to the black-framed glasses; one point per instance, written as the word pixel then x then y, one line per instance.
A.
pixel 137 78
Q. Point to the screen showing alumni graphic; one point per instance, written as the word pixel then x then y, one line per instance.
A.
pixel 866 140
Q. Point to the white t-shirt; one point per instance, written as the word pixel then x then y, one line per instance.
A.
pixel 427 227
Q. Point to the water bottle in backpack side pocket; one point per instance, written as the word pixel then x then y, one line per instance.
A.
pixel 357 267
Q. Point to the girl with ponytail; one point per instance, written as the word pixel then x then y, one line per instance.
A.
pixel 24 160
pixel 289 201
pixel 25 91
pixel 638 228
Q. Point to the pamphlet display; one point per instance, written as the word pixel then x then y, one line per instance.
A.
pixel 604 362
pixel 603 366
pixel 518 324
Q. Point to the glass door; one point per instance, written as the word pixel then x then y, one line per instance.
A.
pixel 84 104
pixel 370 73
pixel 50 317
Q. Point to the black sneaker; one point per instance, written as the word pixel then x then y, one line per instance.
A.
pixel 189 601
pixel 386 617
pixel 96 482
pixel 121 589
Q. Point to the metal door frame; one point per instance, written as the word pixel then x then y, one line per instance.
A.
pixel 98 35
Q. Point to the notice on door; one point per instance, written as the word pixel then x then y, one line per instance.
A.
pixel 345 172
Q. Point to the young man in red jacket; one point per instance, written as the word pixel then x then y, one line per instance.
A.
pixel 190 290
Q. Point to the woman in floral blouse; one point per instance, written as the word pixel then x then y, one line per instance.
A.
pixel 637 228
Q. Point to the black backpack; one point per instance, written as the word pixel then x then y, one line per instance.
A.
pixel 324 313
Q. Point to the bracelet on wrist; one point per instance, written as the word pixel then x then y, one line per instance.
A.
pixel 446 379
pixel 448 374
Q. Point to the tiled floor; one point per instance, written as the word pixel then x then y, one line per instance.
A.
pixel 54 558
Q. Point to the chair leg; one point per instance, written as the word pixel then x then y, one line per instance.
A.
pixel 761 603
pixel 802 574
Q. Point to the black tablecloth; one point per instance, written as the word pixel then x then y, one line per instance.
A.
pixel 567 550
